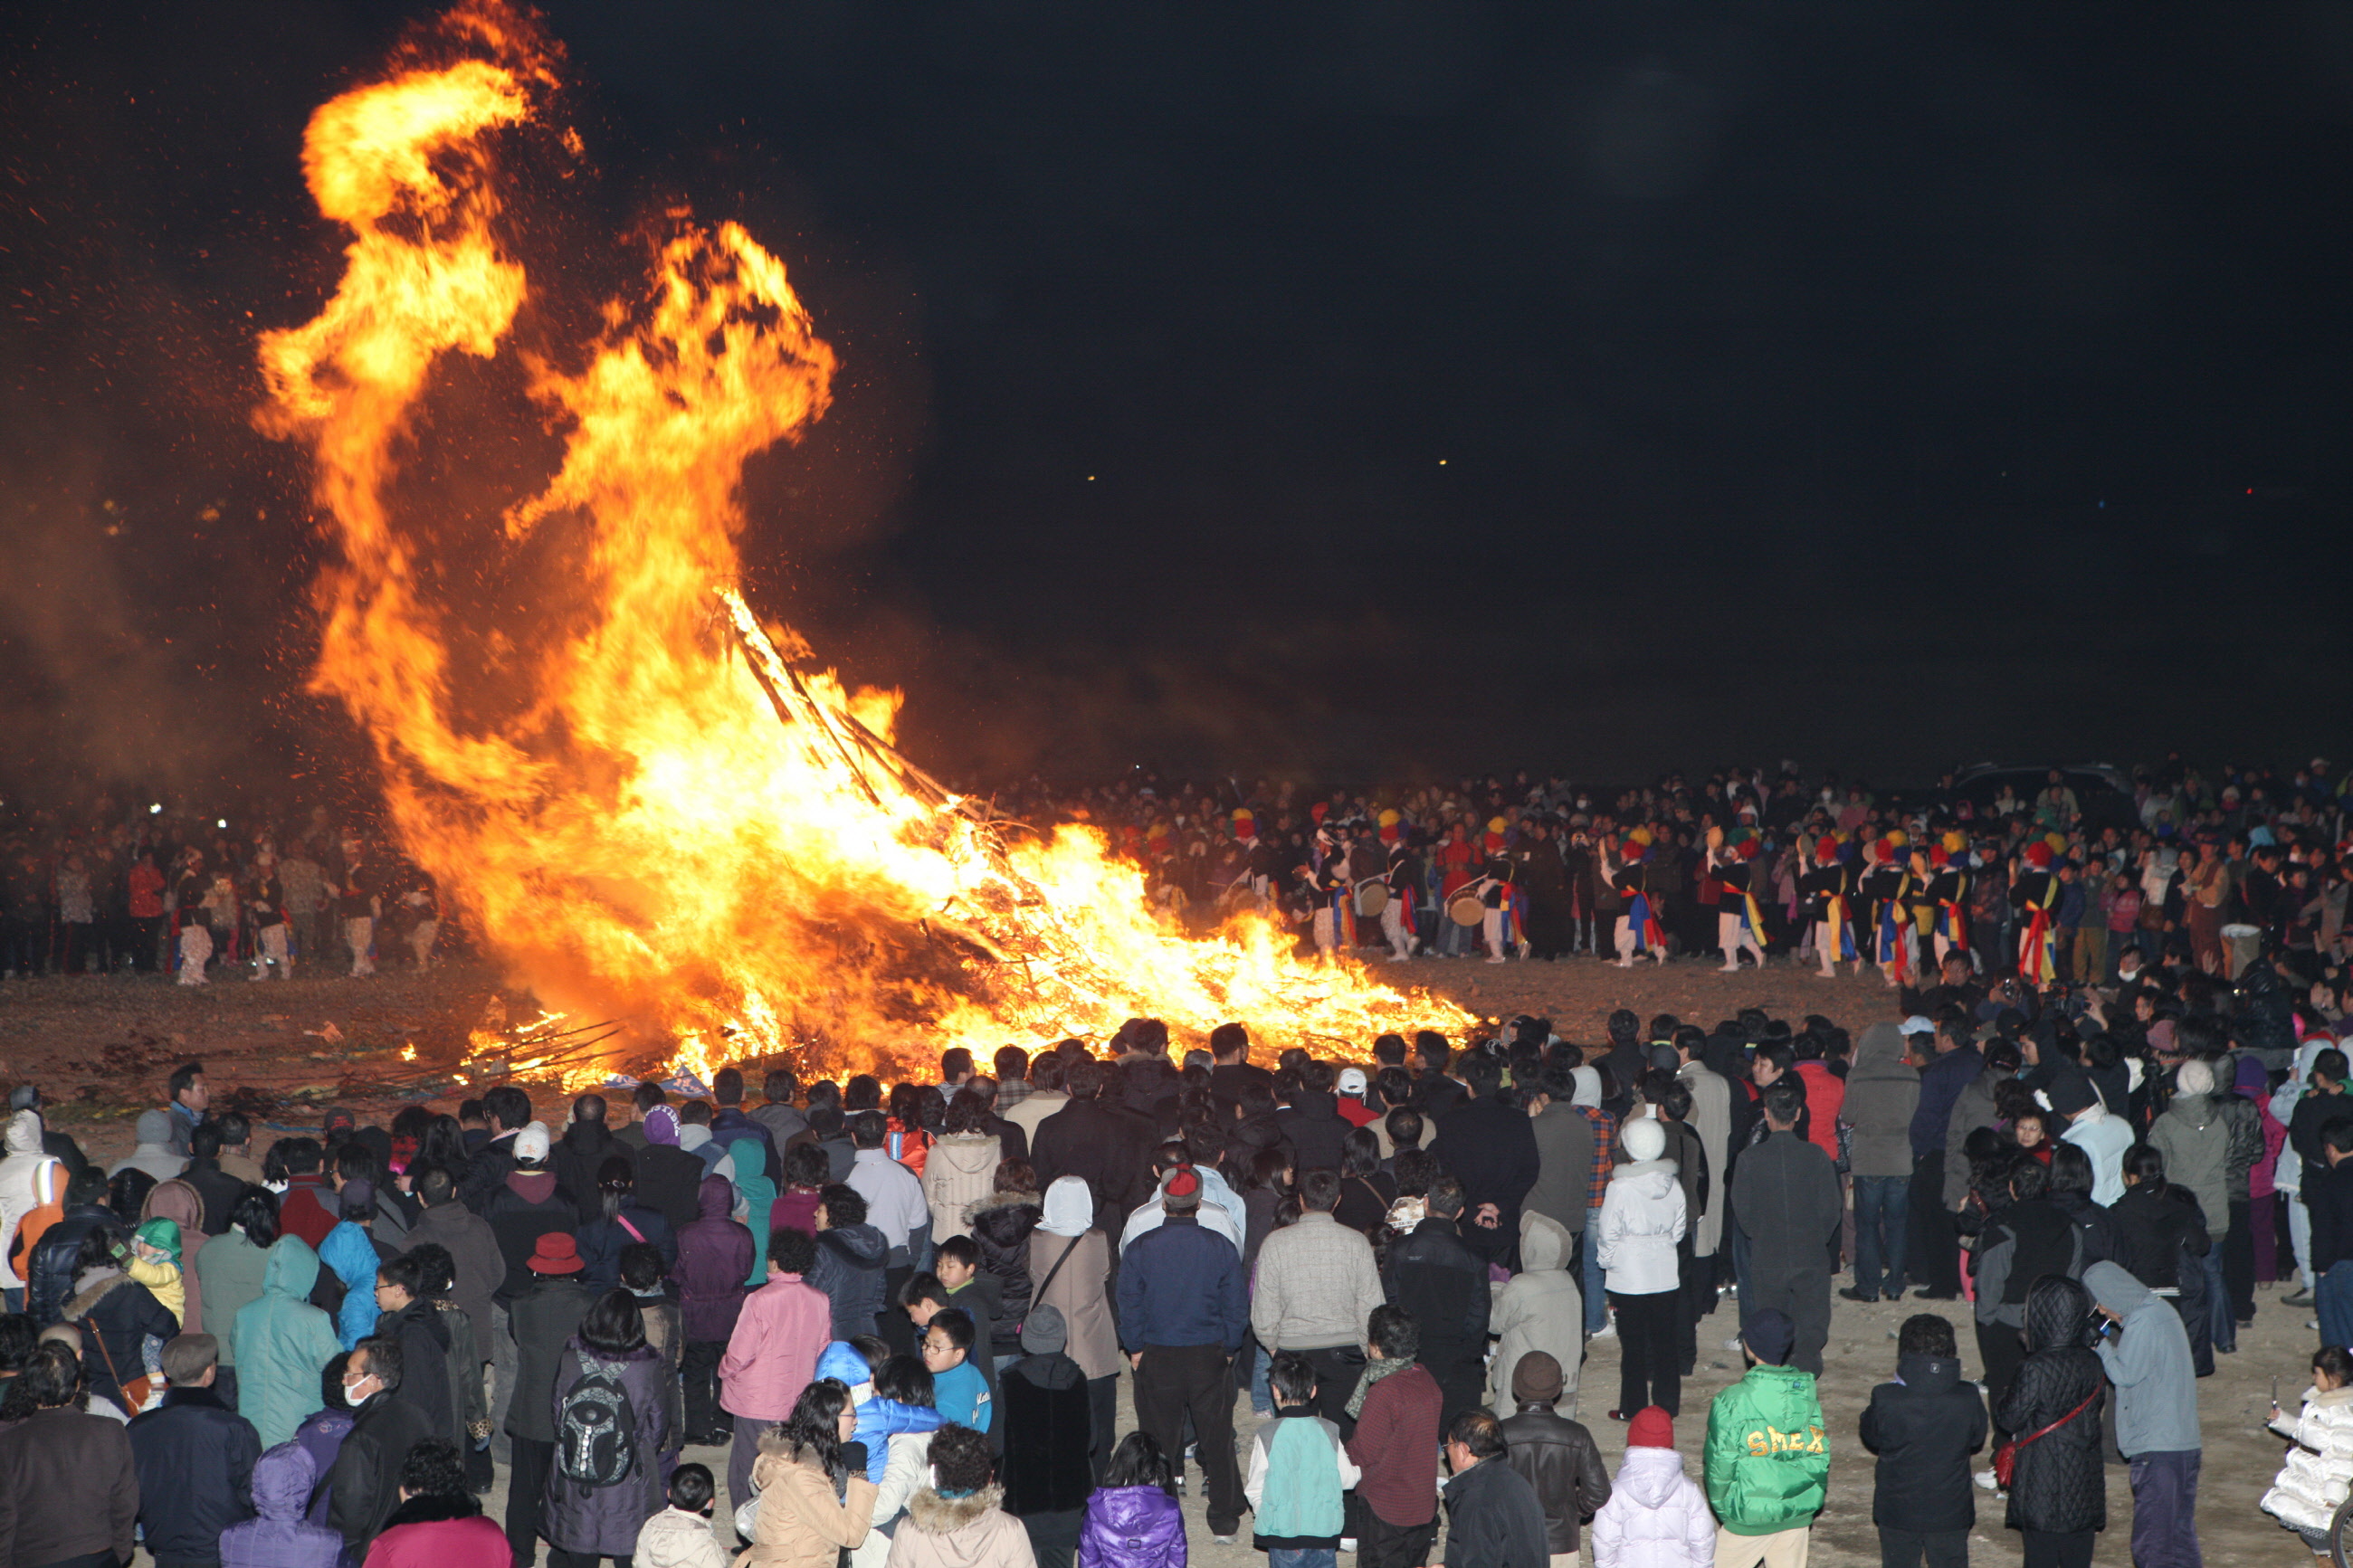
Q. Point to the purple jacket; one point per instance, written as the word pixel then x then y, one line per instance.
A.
pixel 715 1258
pixel 1132 1527
pixel 321 1436
pixel 279 1538
pixel 603 1521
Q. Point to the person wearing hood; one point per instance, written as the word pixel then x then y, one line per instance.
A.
pixel 1642 1218
pixel 1539 1310
pixel 2195 1136
pixel 30 1181
pixel 755 1202
pixel 1000 1225
pixel 780 1330
pixel 669 1179
pixel 276 1535
pixel 715 1257
pixel 1883 1097
pixel 351 1251
pixel 852 1258
pixel 179 1205
pixel 154 1153
pixel 195 1457
pixel 1769 1451
pixel 124 1325
pixel 1068 1264
pixel 1555 1454
pixel 1924 1426
pixel 962 1167
pixel 1785 1198
pixel 1048 1426
pixel 280 1343
pixel 879 1417
pixel 154 1262
pixel 1654 1516
pixel 2058 1491
pixel 2147 1356
pixel 2093 1129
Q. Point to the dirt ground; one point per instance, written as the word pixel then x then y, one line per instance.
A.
pixel 100 1048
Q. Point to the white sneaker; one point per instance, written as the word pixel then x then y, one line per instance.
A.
pixel 1985 1480
pixel 1608 1330
pixel 1348 1543
pixel 1223 1540
pixel 1733 1344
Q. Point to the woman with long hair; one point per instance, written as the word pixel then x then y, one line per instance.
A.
pixel 622 1222
pixel 607 1480
pixel 1366 1190
pixel 815 1498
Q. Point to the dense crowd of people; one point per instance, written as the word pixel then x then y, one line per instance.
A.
pixel 2205 868
pixel 895 1318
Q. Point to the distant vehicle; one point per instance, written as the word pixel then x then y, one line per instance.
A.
pixel 2102 789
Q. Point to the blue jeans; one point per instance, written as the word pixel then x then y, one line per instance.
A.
pixel 1320 1557
pixel 1261 1399
pixel 2334 1299
pixel 2219 1312
pixel 1597 1300
pixel 1883 1207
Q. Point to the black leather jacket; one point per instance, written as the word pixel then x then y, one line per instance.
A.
pixel 1556 1456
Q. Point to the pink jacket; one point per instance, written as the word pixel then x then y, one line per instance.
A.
pixel 1656 1516
pixel 773 1353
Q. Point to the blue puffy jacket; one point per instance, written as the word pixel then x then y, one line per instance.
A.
pixel 879 1419
pixel 351 1255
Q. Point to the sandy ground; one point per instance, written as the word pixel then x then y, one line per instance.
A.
pixel 101 1046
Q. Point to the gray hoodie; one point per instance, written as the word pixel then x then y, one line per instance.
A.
pixel 2156 1391
pixel 1882 1090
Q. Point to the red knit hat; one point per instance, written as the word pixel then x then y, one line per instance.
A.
pixel 1651 1429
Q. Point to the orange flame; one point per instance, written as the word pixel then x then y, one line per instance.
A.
pixel 675 826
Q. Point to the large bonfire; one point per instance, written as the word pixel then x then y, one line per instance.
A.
pixel 655 811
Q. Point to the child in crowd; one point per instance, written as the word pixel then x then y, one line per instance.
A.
pixel 1298 1470
pixel 1656 1516
pixel 1133 1519
pixel 2307 1492
pixel 957 1386
pixel 1767 1462
pixel 1396 1407
pixel 1049 1436
pixel 955 1522
pixel 956 1261
pixel 680 1535
pixel 155 1263
pixel 903 1384
pixel 1924 1426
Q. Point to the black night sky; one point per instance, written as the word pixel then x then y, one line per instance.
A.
pixel 1363 390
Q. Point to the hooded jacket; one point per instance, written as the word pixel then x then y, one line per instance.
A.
pixel 849 1266
pixel 1972 1108
pixel 2195 1139
pixel 1769 1451
pixel 603 1521
pixel 1047 1425
pixel 2311 1485
pixel 960 1533
pixel 152 1153
pixel 1564 1184
pixel 118 1316
pixel 1711 1121
pixel 1656 1516
pixel 879 1419
pixel 1883 1093
pixel 715 1257
pixel 577 1157
pixel 1642 1218
pixel 772 1354
pixel 1080 1289
pixel 1539 1308
pixel 2148 1362
pixel 526 1207
pixel 351 1255
pixel 800 1522
pixel 960 1171
pixel 1000 1225
pixel 2059 1484
pixel 1132 1527
pixel 184 1206
pixel 1924 1426
pixel 28 1179
pixel 676 1538
pixel 544 1317
pixel 195 1457
pixel 474 1247
pixel 277 1537
pixel 49 1277
pixel 283 1343
pixel 1556 1456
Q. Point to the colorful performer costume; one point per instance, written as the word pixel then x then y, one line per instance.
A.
pixel 1405 886
pixel 1639 930
pixel 2034 894
pixel 1739 921
pixel 1827 890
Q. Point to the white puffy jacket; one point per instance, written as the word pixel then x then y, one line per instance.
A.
pixel 28 1179
pixel 1641 1219
pixel 2313 1484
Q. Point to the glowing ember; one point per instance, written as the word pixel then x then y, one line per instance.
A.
pixel 654 816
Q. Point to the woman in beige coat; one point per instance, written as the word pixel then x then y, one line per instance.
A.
pixel 1066 1246
pixel 961 1167
pixel 958 1521
pixel 802 1521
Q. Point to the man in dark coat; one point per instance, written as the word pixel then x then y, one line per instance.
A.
pixel 508 1111
pixel 217 1188
pixel 1313 1125
pixel 1432 1274
pixel 1486 1144
pixel 732 1121
pixel 1564 1140
pixel 194 1457
pixel 472 1245
pixel 1785 1196
pixel 1493 1518
pixel 1182 1311
pixel 1625 1061
pixel 582 1152
pixel 1556 1455
pixel 363 1487
pixel 1433 1091
pixel 1103 1145
pixel 1924 1426
pixel 545 1315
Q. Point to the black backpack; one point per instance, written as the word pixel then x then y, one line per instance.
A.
pixel 596 1427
